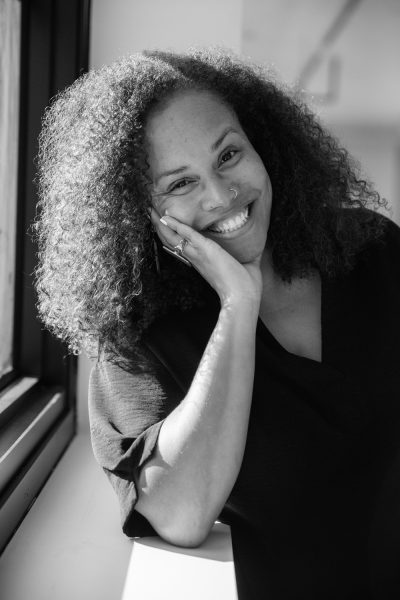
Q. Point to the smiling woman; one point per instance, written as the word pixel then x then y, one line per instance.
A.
pixel 242 388
pixel 186 131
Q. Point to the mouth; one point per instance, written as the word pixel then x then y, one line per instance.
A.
pixel 231 223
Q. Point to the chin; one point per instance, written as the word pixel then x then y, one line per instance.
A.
pixel 246 255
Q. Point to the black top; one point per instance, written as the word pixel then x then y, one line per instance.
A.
pixel 315 510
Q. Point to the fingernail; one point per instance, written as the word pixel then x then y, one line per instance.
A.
pixel 163 221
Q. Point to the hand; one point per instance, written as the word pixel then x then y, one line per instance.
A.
pixel 231 280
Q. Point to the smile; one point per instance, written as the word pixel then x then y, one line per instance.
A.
pixel 232 223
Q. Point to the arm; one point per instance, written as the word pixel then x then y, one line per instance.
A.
pixel 184 486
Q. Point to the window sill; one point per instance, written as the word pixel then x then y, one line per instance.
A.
pixel 70 546
pixel 159 570
pixel 70 543
pixel 35 428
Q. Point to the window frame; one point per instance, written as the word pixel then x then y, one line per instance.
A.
pixel 38 396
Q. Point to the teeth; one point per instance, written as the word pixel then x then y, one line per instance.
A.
pixel 232 223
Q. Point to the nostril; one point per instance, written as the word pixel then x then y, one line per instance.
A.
pixel 218 196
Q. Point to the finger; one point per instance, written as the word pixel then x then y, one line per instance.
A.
pixel 184 231
pixel 167 235
pixel 170 227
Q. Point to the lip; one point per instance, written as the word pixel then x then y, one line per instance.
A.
pixel 229 215
pixel 229 234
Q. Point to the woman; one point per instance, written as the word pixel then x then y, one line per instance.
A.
pixel 247 373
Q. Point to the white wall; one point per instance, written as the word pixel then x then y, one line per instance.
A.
pixel 120 27
pixel 124 26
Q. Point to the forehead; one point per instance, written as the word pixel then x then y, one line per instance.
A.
pixel 188 116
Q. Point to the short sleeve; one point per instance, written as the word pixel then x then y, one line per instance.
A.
pixel 127 410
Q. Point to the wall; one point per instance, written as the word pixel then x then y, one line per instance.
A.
pixel 126 26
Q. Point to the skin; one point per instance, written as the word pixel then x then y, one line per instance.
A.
pixel 206 433
pixel 182 134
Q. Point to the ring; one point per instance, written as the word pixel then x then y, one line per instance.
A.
pixel 179 248
pixel 177 252
pixel 235 192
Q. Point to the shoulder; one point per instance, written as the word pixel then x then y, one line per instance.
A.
pixel 125 401
pixel 384 251
pixel 375 276
pixel 391 238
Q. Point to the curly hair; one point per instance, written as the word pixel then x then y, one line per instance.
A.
pixel 96 281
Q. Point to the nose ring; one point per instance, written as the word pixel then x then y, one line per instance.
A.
pixel 235 192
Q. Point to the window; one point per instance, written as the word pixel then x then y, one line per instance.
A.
pixel 10 33
pixel 44 47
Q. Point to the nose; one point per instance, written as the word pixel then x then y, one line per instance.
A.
pixel 216 194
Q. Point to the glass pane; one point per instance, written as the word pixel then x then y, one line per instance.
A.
pixel 10 26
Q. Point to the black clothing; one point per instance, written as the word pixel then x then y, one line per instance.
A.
pixel 315 510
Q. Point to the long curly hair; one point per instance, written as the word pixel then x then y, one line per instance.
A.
pixel 96 280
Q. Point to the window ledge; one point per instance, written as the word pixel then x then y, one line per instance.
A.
pixel 14 392
pixel 70 545
pixel 160 570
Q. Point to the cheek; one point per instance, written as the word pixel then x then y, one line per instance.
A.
pixel 264 183
pixel 263 176
pixel 157 204
pixel 179 208
pixel 254 173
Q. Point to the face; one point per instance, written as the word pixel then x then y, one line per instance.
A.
pixel 198 154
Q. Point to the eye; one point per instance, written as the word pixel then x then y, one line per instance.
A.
pixel 182 186
pixel 178 184
pixel 227 156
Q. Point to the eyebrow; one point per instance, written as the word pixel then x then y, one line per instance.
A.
pixel 214 147
pixel 221 138
pixel 173 172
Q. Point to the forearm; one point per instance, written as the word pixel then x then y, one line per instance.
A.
pixel 183 488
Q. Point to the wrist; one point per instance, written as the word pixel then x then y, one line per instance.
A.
pixel 242 302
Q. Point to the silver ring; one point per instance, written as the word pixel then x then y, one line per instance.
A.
pixel 235 192
pixel 179 248
pixel 177 254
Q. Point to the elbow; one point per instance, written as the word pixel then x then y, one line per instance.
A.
pixel 183 533
pixel 184 539
pixel 181 524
